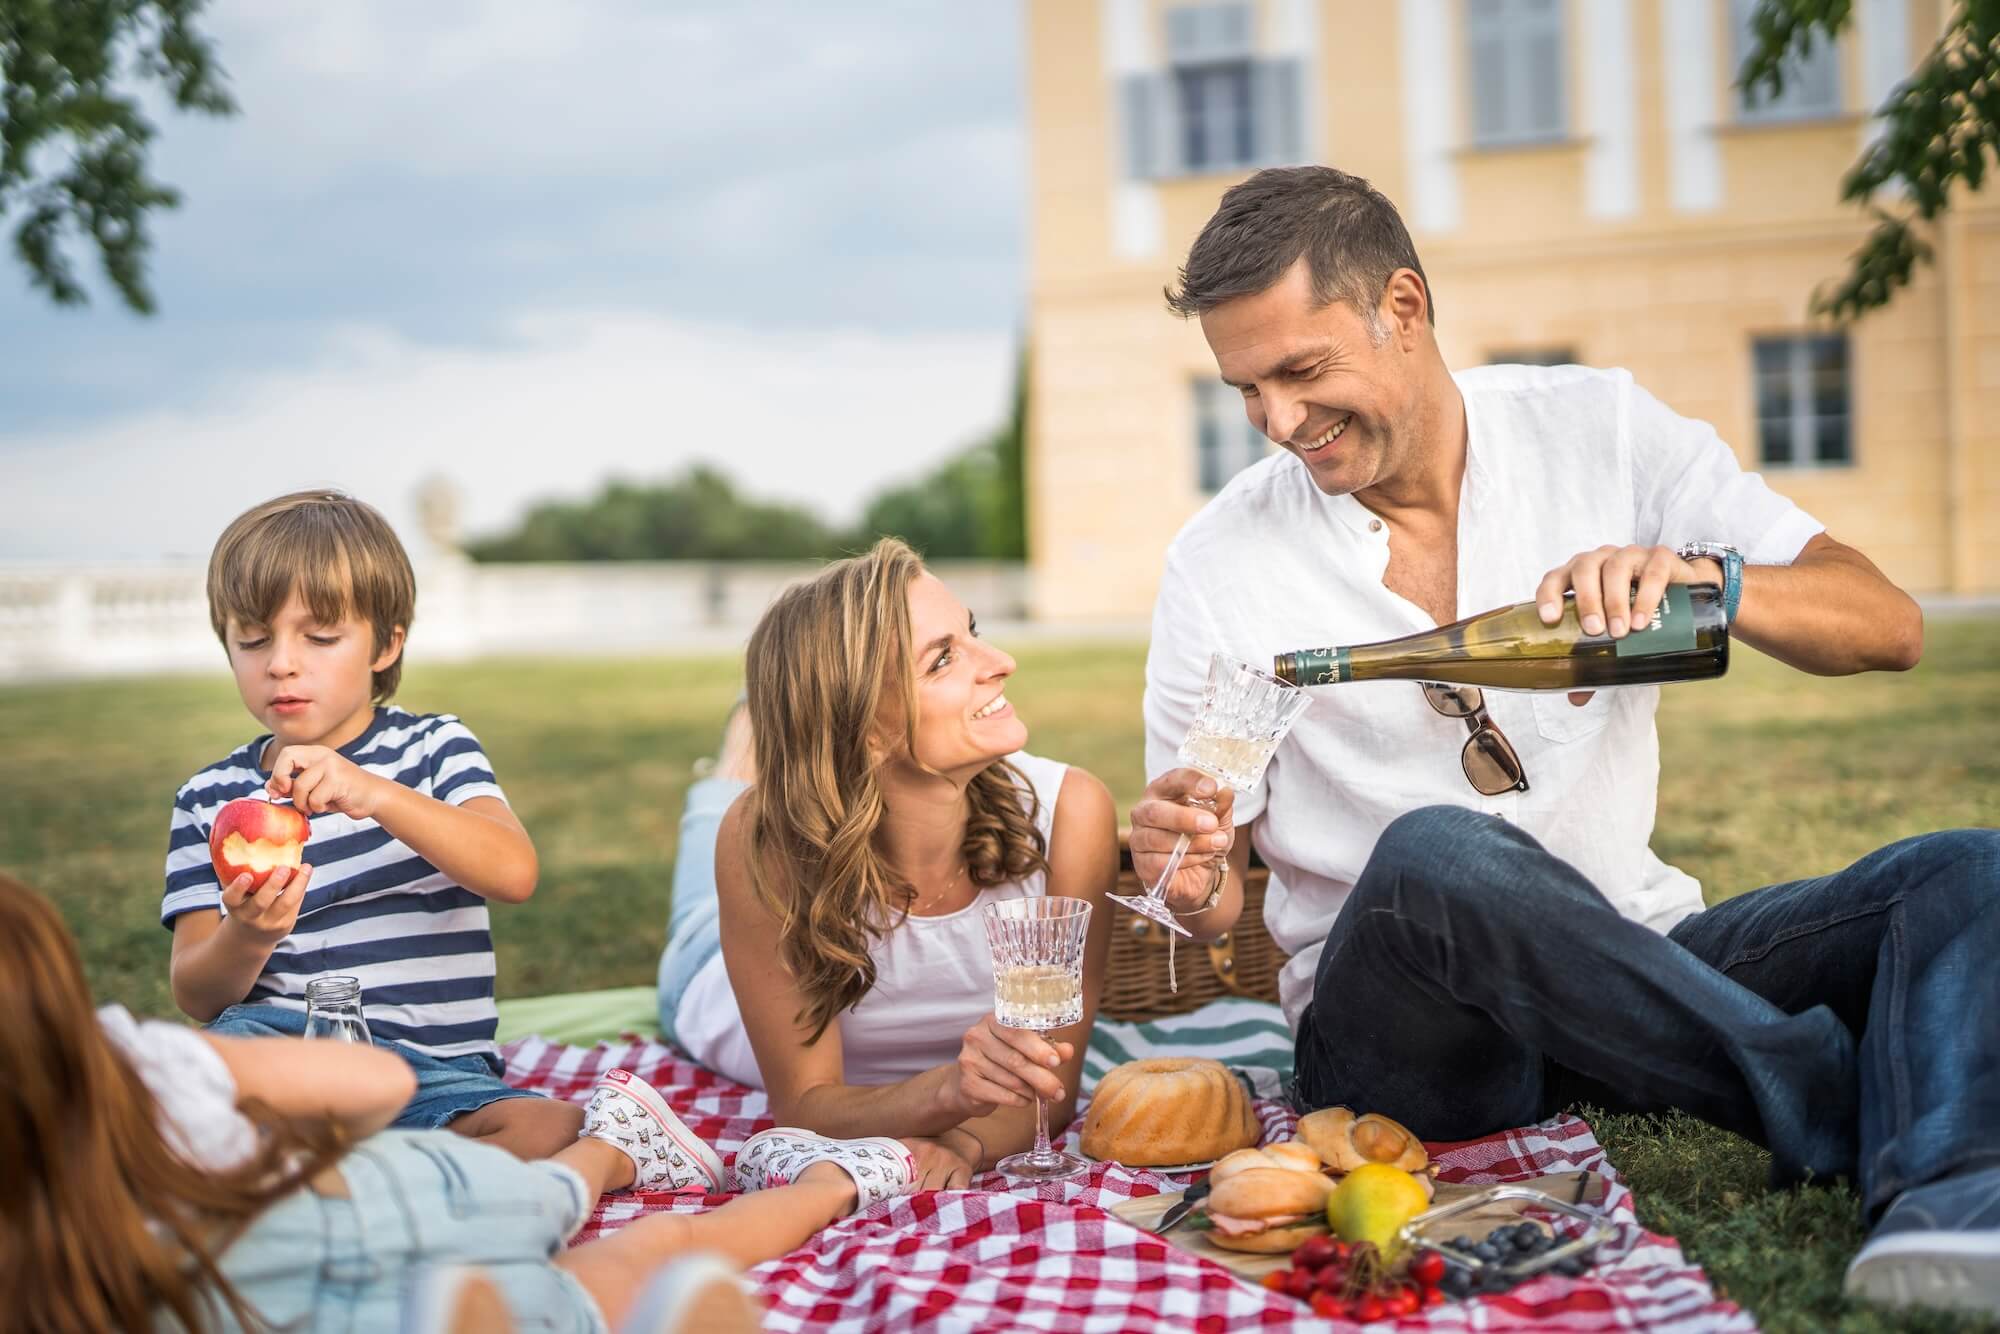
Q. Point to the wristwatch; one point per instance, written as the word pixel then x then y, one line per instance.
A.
pixel 1731 561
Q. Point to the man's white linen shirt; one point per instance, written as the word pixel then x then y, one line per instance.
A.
pixel 1559 460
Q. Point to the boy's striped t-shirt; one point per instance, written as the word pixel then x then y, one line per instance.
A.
pixel 421 945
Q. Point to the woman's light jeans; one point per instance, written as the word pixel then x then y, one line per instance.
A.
pixel 694 931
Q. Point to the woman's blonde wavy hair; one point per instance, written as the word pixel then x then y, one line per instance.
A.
pixel 829 666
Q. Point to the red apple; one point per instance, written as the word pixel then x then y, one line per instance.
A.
pixel 255 837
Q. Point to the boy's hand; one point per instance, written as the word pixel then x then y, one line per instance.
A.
pixel 319 780
pixel 272 911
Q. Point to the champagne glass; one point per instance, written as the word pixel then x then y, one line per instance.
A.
pixel 1244 714
pixel 333 1010
pixel 1038 984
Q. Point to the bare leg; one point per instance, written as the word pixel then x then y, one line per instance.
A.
pixel 603 1167
pixel 746 1231
pixel 528 1128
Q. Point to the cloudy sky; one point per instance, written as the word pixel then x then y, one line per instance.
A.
pixel 526 247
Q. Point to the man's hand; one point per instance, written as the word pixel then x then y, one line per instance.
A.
pixel 1164 814
pixel 319 780
pixel 270 913
pixel 939 1168
pixel 1617 588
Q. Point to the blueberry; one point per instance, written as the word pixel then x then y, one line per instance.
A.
pixel 1487 1251
pixel 1462 1242
pixel 1575 1266
pixel 1456 1283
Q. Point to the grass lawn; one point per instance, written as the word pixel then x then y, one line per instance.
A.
pixel 1766 776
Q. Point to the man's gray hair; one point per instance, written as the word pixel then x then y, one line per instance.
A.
pixel 1351 236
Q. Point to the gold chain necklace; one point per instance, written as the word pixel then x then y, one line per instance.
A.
pixel 949 886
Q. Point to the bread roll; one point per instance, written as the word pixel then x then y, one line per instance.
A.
pixel 1270 1192
pixel 1345 1141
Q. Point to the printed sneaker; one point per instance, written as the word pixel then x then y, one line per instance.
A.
pixel 630 1115
pixel 882 1168
pixel 1937 1245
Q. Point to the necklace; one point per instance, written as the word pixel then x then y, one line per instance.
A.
pixel 949 885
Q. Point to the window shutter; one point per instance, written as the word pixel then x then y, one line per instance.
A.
pixel 1278 117
pixel 1539 73
pixel 1486 60
pixel 1146 113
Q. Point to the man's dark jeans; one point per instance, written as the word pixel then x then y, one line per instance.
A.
pixel 1850 1023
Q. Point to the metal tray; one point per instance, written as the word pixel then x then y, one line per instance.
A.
pixel 1432 1229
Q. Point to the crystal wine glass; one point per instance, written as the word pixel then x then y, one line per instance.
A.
pixel 1244 714
pixel 1038 984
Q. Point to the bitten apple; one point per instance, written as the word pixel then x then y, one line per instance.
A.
pixel 255 837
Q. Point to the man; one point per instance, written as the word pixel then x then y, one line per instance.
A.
pixel 1479 931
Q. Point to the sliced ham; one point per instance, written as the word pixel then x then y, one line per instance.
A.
pixel 1243 1227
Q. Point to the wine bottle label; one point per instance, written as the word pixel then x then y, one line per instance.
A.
pixel 1670 631
pixel 1315 667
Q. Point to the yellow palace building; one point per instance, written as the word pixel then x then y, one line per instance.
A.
pixel 1584 183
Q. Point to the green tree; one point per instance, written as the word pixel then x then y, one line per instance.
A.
pixel 73 143
pixel 696 516
pixel 1939 129
pixel 973 505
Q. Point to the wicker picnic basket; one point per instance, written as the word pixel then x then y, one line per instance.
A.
pixel 1240 962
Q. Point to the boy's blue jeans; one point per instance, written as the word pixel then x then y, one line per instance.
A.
pixel 447 1087
pixel 1848 1023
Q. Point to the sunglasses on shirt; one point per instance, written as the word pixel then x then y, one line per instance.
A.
pixel 1489 761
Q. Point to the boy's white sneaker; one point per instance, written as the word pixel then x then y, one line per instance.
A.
pixel 1936 1245
pixel 882 1168
pixel 630 1115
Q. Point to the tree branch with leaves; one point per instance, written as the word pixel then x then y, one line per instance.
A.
pixel 73 142
pixel 1940 132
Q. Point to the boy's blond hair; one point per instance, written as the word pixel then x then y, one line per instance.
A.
pixel 338 552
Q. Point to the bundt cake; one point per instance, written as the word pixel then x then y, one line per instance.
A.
pixel 1167 1112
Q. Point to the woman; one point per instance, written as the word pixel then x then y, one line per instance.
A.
pixel 840 958
pixel 160 1177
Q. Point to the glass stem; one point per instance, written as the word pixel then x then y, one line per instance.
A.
pixel 1159 890
pixel 1042 1150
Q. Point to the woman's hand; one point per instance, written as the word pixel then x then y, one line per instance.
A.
pixel 1000 1066
pixel 938 1167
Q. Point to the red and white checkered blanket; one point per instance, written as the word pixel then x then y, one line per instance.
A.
pixel 1050 1257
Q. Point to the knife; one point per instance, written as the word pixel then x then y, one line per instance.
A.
pixel 1178 1213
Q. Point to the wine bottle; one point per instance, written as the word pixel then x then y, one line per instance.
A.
pixel 1511 649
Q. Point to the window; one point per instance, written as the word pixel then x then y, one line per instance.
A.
pixel 1802 400
pixel 1514 50
pixel 1531 356
pixel 1812 84
pixel 1225 443
pixel 1217 107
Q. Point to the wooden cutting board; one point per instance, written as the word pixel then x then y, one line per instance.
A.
pixel 1145 1212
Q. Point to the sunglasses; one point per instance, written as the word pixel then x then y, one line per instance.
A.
pixel 1489 761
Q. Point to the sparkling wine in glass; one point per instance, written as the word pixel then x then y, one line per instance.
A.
pixel 1037 949
pixel 333 1010
pixel 1244 714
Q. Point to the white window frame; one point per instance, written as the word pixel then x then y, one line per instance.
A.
pixel 1225 443
pixel 1812 84
pixel 1509 31
pixel 1802 418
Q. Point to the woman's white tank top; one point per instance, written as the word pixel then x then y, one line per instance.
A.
pixel 933 980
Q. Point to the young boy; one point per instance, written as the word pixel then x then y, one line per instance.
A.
pixel 312 595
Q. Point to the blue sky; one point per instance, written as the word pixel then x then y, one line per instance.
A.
pixel 526 247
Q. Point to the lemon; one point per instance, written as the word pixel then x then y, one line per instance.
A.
pixel 1372 1201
